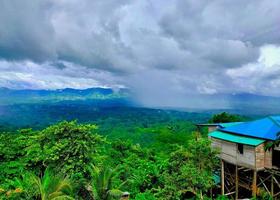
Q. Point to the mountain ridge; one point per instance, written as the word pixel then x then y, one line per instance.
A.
pixel 12 96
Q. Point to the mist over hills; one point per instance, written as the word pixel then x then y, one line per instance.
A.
pixel 244 103
pixel 41 108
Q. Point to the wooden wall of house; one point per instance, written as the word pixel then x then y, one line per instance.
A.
pixel 216 143
pixel 260 156
pixel 268 158
pixel 229 153
pixel 252 157
pixel 247 159
pixel 263 158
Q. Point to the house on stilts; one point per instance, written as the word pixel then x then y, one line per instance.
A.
pixel 247 166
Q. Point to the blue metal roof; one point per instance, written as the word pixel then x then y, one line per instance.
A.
pixel 228 124
pixel 266 128
pixel 222 125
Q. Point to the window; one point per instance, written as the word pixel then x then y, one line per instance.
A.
pixel 240 148
pixel 275 158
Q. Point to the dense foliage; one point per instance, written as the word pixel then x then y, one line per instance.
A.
pixel 113 119
pixel 225 117
pixel 69 160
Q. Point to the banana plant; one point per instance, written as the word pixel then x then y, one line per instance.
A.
pixel 102 184
pixel 48 187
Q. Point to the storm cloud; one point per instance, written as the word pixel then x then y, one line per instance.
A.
pixel 163 50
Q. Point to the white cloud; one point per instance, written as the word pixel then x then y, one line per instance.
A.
pixel 27 74
pixel 260 77
pixel 186 47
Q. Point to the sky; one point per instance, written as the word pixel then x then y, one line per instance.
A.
pixel 162 50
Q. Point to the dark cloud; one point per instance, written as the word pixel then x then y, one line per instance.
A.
pixel 188 47
pixel 219 31
pixel 26 31
pixel 261 76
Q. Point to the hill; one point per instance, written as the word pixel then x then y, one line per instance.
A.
pixel 8 96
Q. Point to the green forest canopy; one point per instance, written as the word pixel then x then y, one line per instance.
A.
pixel 69 160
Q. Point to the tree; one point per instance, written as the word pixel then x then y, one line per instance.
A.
pixel 140 168
pixel 225 117
pixel 12 152
pixel 68 147
pixel 272 144
pixel 103 184
pixel 190 170
pixel 50 186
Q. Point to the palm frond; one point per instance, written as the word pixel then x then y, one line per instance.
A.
pixel 103 183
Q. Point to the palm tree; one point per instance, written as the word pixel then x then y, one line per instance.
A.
pixel 49 187
pixel 102 184
pixel 272 144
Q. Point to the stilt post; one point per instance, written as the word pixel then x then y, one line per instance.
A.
pixel 272 186
pixel 236 182
pixel 222 177
pixel 254 185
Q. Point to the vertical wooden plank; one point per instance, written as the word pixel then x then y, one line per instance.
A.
pixel 254 185
pixel 236 182
pixel 222 177
pixel 272 186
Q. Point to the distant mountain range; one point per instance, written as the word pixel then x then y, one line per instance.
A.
pixel 255 104
pixel 244 103
pixel 247 104
pixel 9 96
pixel 40 108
